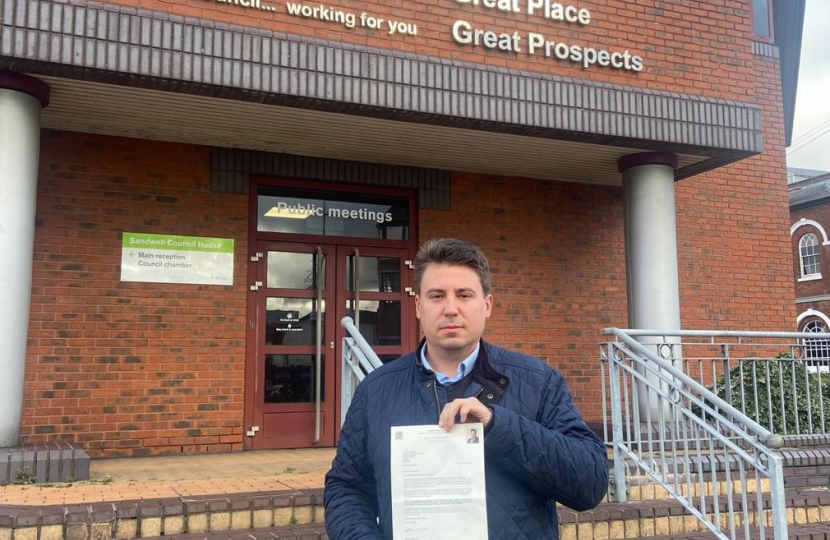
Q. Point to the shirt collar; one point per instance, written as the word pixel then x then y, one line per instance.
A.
pixel 466 366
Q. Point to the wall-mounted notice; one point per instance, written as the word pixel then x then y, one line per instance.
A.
pixel 161 258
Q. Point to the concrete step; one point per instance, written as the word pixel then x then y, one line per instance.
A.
pixel 649 513
pixel 810 531
pixel 287 511
pixel 643 488
pixel 125 520
pixel 806 464
pixel 666 517
pixel 299 532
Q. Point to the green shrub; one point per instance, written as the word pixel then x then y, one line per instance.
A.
pixel 784 383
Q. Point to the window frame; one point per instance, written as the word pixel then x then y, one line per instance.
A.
pixel 759 37
pixel 802 256
pixel 816 351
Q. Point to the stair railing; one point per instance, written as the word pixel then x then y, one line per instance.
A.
pixel 717 462
pixel 358 361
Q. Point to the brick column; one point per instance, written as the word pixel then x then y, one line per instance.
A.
pixel 21 100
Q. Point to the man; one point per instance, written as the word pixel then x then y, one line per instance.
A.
pixel 473 437
pixel 537 449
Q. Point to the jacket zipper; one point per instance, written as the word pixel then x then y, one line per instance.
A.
pixel 437 403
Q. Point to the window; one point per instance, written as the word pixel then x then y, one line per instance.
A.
pixel 332 213
pixel 810 261
pixel 762 19
pixel 817 350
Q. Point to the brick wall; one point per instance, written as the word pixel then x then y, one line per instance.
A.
pixel 685 45
pixel 733 232
pixel 131 368
pixel 558 263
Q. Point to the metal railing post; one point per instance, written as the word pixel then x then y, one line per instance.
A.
pixel 620 493
pixel 347 379
pixel 727 373
pixel 777 499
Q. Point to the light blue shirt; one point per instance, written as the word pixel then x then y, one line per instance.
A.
pixel 463 368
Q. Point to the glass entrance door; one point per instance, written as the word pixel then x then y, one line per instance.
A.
pixel 302 291
pixel 293 398
pixel 375 295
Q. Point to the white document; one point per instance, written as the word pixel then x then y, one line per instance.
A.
pixel 438 483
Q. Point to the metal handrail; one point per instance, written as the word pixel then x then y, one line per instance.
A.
pixel 318 353
pixel 358 361
pixel 754 371
pixel 363 366
pixel 692 437
pixel 356 278
pixel 360 341
pixel 715 333
pixel 770 439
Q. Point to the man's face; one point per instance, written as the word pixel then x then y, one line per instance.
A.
pixel 453 310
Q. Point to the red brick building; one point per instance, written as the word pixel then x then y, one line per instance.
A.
pixel 810 218
pixel 187 183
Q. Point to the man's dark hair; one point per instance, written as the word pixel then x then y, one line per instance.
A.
pixel 453 252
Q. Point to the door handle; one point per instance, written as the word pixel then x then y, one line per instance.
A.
pixel 319 333
pixel 356 274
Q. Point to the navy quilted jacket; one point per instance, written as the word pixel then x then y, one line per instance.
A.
pixel 537 449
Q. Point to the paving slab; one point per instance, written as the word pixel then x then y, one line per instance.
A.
pixel 162 477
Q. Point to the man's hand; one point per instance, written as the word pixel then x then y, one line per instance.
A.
pixel 468 409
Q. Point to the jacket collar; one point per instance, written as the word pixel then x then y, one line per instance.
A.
pixel 484 373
